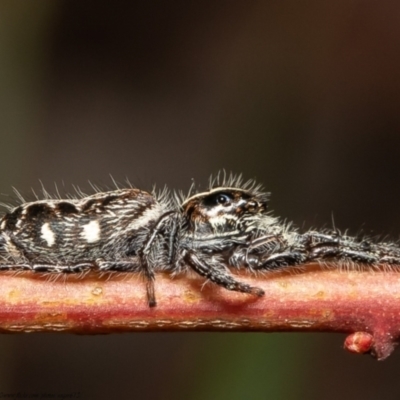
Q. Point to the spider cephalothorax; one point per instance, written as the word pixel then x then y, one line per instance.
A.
pixel 217 223
pixel 223 212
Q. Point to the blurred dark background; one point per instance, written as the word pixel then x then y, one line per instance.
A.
pixel 303 96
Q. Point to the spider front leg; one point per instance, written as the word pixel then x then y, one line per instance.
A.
pixel 335 253
pixel 268 252
pixel 243 258
pixel 286 259
pixel 272 261
pixel 219 274
pixel 321 246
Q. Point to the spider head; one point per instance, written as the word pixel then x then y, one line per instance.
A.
pixel 224 210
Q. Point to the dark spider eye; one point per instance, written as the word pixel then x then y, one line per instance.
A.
pixel 223 199
pixel 218 199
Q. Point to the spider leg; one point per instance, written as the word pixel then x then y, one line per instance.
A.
pixel 242 257
pixel 69 269
pixel 118 266
pixel 15 267
pixel 322 246
pixel 264 240
pixel 281 260
pixel 51 268
pixel 219 274
pixel 252 254
pixel 337 253
pixel 144 255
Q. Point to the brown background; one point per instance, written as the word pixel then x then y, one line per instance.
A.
pixel 303 96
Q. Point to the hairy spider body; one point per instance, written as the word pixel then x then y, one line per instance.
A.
pixel 131 230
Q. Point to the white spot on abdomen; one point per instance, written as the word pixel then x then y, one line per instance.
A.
pixel 47 234
pixel 91 232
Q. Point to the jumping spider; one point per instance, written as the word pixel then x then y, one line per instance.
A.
pixel 131 230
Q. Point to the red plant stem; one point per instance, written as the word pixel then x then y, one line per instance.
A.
pixel 363 302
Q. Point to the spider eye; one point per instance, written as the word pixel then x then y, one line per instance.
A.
pixel 216 199
pixel 223 199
